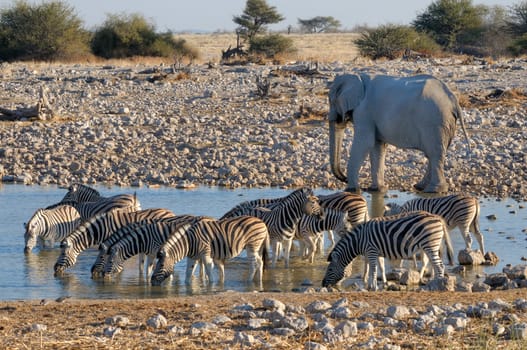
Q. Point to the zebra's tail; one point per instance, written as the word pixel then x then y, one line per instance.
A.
pixel 265 252
pixel 448 244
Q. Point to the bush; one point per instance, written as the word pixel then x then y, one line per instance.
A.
pixel 270 45
pixel 123 36
pixel 46 32
pixel 391 41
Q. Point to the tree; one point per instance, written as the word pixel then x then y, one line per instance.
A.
pixel 451 22
pixel 255 18
pixel 517 21
pixel 49 31
pixel 319 24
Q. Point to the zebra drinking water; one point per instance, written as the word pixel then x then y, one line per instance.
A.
pixel 214 241
pixel 143 237
pixel 98 228
pixel 393 237
pixel 50 225
pixel 457 210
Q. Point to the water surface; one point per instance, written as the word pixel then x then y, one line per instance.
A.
pixel 31 276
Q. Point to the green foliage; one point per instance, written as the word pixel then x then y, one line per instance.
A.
pixel 451 23
pixel 270 45
pixel 49 31
pixel 390 41
pixel 319 24
pixel 255 18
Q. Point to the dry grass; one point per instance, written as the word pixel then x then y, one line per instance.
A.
pixel 80 324
pixel 323 47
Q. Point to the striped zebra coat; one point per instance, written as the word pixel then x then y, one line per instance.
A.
pixel 142 238
pixel 214 241
pixel 310 229
pixel 354 204
pixel 50 225
pixel 393 237
pixel 82 193
pixel 282 219
pixel 457 210
pixel 89 202
pixel 96 230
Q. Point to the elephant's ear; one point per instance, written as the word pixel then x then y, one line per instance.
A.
pixel 346 94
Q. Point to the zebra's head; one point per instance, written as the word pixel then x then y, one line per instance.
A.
pixel 66 258
pixel 312 206
pixel 392 209
pixel 164 268
pixel 33 228
pixel 334 271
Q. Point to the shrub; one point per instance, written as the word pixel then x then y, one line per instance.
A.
pixel 519 45
pixel 390 41
pixel 270 45
pixel 49 31
pixel 123 36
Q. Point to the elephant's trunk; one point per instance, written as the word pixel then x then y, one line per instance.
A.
pixel 336 134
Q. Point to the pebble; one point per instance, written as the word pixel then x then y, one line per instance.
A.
pixel 211 130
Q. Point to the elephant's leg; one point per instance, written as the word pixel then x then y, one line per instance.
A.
pixel 377 156
pixel 437 183
pixel 425 180
pixel 362 143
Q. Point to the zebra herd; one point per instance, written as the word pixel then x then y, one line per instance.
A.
pixel 265 227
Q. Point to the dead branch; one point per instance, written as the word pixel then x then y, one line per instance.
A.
pixel 41 111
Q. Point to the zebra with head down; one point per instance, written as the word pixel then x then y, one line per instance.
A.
pixel 213 242
pixel 142 238
pixel 393 237
pixel 50 225
pixel 97 229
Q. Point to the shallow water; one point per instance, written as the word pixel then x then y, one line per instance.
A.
pixel 31 276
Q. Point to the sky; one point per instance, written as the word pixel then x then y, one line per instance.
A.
pixel 216 15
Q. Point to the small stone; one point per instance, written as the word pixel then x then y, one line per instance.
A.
pixel 397 311
pixel 157 321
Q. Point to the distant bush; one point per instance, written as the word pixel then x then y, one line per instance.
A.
pixel 123 36
pixel 391 41
pixel 270 45
pixel 519 45
pixel 47 32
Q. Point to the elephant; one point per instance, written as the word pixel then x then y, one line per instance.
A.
pixel 415 112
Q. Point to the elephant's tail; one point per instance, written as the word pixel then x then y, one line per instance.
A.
pixel 458 114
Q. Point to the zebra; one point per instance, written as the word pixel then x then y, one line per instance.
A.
pixel 457 210
pixel 141 237
pixel 354 204
pixel 283 218
pixel 393 237
pixel 214 241
pixel 98 228
pixel 50 225
pixel 310 228
pixel 78 192
pixel 89 202
pixel 243 207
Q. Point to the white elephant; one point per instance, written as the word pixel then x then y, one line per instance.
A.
pixel 417 112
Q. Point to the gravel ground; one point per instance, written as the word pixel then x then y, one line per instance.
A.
pixel 209 125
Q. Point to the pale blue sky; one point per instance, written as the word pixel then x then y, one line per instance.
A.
pixel 214 15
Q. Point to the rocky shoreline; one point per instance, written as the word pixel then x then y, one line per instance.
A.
pixel 135 125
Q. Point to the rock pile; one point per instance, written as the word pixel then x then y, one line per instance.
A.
pixel 131 125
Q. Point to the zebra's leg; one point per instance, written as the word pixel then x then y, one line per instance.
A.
pixel 209 265
pixel 372 283
pixel 437 263
pixel 191 266
pixel 151 261
pixel 331 238
pixel 252 256
pixel 142 262
pixel 424 267
pixel 466 236
pixel 382 269
pixel 221 270
pixel 275 247
pixel 287 249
